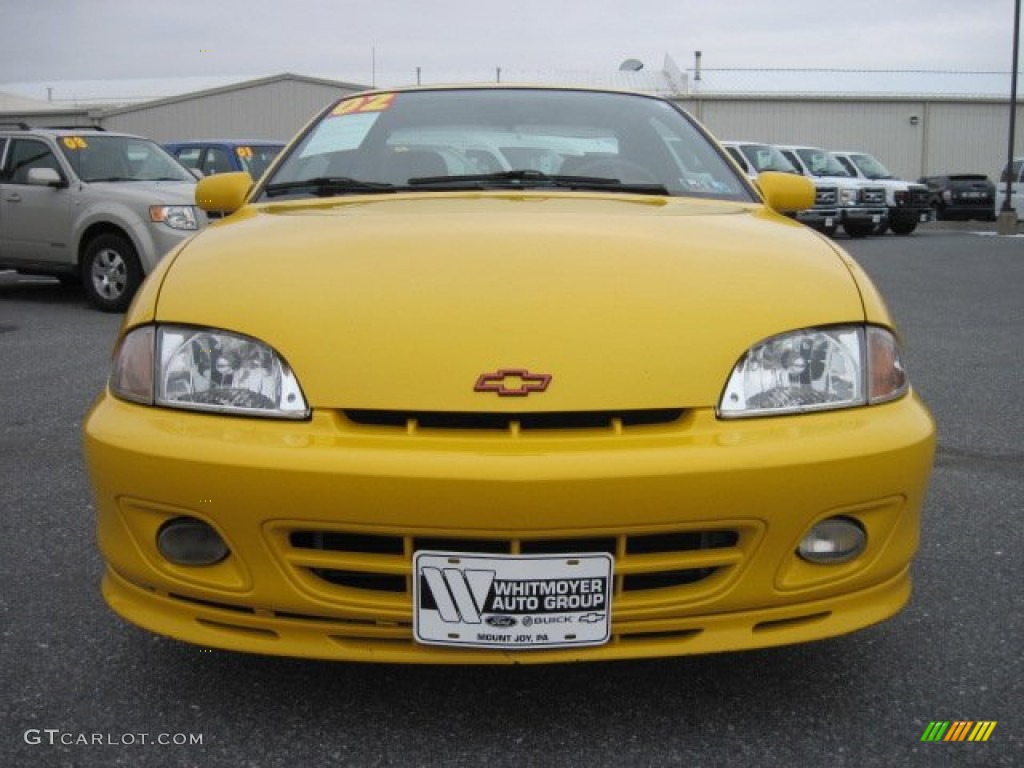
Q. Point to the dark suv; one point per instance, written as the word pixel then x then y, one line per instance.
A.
pixel 91 206
pixel 961 196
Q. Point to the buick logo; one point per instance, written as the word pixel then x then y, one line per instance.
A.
pixel 512 382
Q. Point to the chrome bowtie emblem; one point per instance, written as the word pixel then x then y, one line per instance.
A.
pixel 512 382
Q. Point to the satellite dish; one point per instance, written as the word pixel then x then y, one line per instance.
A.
pixel 631 65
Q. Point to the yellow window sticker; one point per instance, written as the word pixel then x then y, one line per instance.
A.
pixel 243 151
pixel 75 142
pixel 381 102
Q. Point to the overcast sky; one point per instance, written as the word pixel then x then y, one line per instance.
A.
pixel 61 40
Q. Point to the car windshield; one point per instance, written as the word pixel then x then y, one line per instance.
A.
pixel 821 163
pixel 767 158
pixel 120 158
pixel 256 159
pixel 501 138
pixel 870 167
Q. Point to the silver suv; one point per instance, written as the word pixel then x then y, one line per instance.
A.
pixel 91 206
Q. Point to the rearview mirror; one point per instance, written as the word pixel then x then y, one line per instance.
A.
pixel 223 191
pixel 786 192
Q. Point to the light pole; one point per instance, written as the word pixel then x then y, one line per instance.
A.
pixel 1008 214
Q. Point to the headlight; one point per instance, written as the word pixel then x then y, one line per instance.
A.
pixel 205 370
pixel 847 196
pixel 815 369
pixel 175 216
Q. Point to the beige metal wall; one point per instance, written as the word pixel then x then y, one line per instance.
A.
pixel 275 110
pixel 948 136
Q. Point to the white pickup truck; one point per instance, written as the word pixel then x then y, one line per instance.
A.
pixel 754 157
pixel 862 208
pixel 909 203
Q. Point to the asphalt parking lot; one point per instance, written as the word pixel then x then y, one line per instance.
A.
pixel 81 688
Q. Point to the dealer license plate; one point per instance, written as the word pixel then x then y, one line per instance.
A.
pixel 512 601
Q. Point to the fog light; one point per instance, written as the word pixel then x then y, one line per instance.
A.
pixel 832 541
pixel 187 541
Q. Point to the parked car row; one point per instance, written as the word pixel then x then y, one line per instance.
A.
pixel 853 189
pixel 85 205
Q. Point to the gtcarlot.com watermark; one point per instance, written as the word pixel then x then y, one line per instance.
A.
pixel 57 737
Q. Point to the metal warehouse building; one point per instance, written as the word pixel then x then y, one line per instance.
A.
pixel 961 125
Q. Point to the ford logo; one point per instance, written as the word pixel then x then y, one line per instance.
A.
pixel 501 621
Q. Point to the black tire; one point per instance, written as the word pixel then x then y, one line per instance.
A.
pixel 111 273
pixel 858 228
pixel 903 226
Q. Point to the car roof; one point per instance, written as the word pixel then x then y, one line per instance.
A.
pixel 68 131
pixel 227 142
pixel 800 146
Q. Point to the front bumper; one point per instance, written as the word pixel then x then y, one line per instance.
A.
pixel 981 211
pixel 819 218
pixel 908 213
pixel 153 240
pixel 376 494
pixel 864 215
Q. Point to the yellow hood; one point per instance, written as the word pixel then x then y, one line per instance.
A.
pixel 402 302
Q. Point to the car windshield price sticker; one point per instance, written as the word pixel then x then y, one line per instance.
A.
pixel 512 601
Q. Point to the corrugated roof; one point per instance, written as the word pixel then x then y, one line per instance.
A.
pixel 11 102
pixel 844 82
pixel 670 80
pixel 113 93
pixel 645 81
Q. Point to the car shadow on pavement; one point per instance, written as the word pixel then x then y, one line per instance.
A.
pixel 39 290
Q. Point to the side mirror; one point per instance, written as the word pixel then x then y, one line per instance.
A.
pixel 224 192
pixel 786 192
pixel 45 177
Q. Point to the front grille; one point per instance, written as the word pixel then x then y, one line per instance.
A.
pixel 973 197
pixel 873 196
pixel 413 421
pixel 920 197
pixel 355 567
pixel 826 197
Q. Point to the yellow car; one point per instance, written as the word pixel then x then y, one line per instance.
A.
pixel 506 375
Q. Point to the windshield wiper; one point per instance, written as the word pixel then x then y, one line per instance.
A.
pixel 323 186
pixel 526 178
